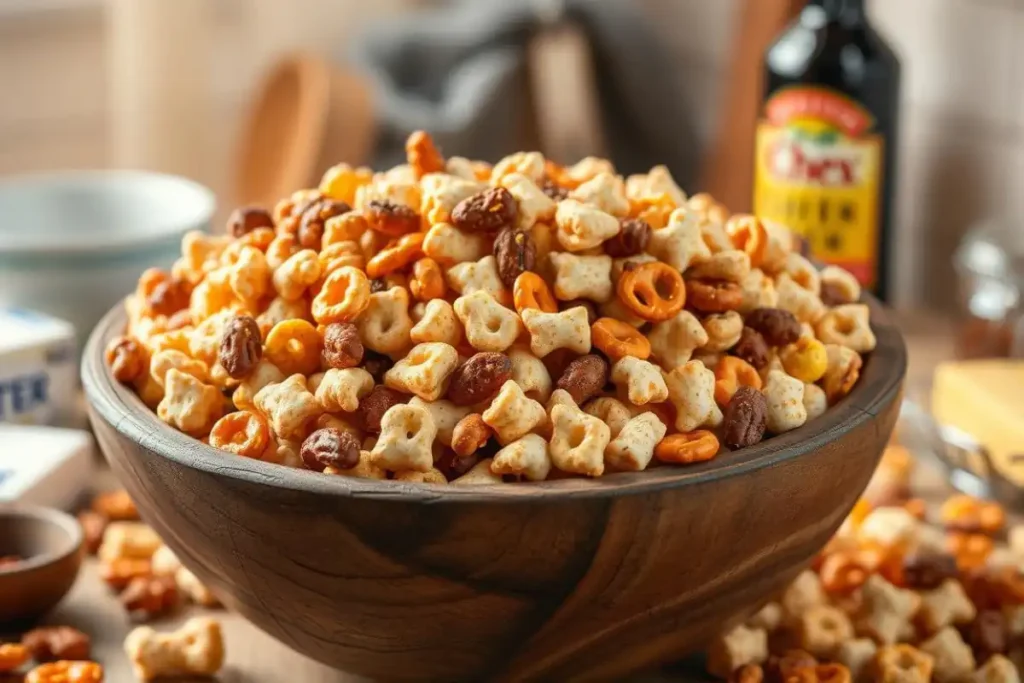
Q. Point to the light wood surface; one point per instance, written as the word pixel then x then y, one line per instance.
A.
pixel 254 657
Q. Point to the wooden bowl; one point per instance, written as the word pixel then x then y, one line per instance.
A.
pixel 561 580
pixel 51 544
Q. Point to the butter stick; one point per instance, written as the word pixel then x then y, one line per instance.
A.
pixel 985 398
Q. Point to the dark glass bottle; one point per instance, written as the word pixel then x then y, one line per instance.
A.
pixel 827 140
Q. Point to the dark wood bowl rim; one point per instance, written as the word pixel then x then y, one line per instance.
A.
pixel 880 383
pixel 63 521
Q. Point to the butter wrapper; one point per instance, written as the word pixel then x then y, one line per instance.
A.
pixel 38 369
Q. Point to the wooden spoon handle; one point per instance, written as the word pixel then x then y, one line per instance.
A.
pixel 729 167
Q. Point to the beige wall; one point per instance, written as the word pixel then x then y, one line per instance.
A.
pixel 963 117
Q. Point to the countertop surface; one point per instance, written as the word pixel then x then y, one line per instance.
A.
pixel 254 657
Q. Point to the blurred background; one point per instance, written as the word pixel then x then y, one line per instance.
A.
pixel 170 86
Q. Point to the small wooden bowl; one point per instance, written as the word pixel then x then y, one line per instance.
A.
pixel 561 580
pixel 51 544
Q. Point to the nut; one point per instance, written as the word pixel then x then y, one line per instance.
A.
pixel 169 297
pixel 927 571
pixel 51 643
pixel 330 447
pixel 778 327
pixel 245 219
pixel 515 253
pixel 833 294
pixel 634 234
pixel 470 435
pixel 311 224
pixel 373 407
pixel 241 347
pixel 389 218
pixel 126 358
pixel 745 418
pixel 752 348
pixel 988 634
pixel 453 466
pixel 584 377
pixel 479 378
pixel 489 211
pixel 150 596
pixel 342 346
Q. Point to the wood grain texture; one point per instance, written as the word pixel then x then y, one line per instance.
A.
pixel 563 580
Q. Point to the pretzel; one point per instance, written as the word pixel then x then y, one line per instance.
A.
pixel 407 249
pixel 639 290
pixel 696 446
pixel 530 291
pixel 617 339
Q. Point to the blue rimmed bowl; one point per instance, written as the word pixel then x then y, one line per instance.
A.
pixel 72 243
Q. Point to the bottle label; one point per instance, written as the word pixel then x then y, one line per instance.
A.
pixel 818 170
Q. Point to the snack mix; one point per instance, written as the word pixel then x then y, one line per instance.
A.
pixel 901 594
pixel 452 321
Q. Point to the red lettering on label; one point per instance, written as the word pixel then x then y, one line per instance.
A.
pixel 811 164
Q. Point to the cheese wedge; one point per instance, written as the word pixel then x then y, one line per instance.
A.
pixel 985 398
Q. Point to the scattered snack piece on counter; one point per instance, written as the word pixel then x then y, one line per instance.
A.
pixel 197 649
pixel 194 589
pixel 66 672
pixel 147 575
pixel 12 657
pixel 133 540
pixel 52 643
pixel 393 305
pixel 739 647
pixel 166 563
pixel 901 594
pixel 148 597
pixel 119 572
pixel 116 506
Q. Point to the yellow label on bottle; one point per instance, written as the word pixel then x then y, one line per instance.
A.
pixel 819 171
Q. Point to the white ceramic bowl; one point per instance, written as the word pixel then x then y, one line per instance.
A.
pixel 73 243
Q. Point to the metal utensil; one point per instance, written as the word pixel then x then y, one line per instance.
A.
pixel 965 460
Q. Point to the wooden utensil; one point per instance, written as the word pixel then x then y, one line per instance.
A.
pixel 729 166
pixel 309 114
